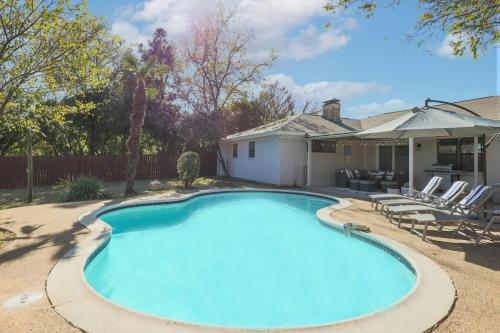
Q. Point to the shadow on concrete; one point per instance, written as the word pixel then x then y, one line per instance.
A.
pixel 63 241
pixel 485 254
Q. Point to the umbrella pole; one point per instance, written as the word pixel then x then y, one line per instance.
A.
pixel 476 161
pixel 410 166
pixel 309 163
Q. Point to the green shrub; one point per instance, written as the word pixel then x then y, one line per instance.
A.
pixel 80 188
pixel 188 168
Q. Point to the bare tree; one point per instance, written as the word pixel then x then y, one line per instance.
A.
pixel 308 106
pixel 220 65
pixel 274 102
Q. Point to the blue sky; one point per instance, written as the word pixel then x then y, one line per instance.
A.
pixel 367 63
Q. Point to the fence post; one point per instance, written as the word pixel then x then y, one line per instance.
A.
pixel 29 153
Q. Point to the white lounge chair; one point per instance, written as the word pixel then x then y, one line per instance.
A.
pixel 429 189
pixel 485 225
pixel 475 199
pixel 446 200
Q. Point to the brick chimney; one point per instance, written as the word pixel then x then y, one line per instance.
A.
pixel 331 110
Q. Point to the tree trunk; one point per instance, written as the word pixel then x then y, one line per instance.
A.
pixel 29 158
pixel 92 136
pixel 221 160
pixel 136 121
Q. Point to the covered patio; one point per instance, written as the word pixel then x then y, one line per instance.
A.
pixel 426 142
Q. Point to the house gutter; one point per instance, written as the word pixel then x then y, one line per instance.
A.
pixel 332 136
pixel 262 135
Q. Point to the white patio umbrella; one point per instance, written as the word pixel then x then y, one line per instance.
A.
pixel 433 122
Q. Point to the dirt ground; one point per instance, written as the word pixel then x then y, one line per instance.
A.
pixel 45 232
pixel 43 194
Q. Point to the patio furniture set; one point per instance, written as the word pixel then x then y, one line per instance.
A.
pixel 370 180
pixel 424 207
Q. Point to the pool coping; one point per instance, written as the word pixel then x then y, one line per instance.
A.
pixel 425 306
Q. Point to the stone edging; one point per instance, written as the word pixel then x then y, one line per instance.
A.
pixel 71 296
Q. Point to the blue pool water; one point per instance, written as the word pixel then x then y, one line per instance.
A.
pixel 245 259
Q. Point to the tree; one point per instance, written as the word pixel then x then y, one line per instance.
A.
pixel 37 40
pixel 272 103
pixel 275 102
pixel 163 115
pixel 473 24
pixel 140 72
pixel 188 168
pixel 220 66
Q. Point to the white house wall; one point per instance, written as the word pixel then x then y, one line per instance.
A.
pixel 427 156
pixel 424 159
pixel 264 168
pixel 282 161
pixel 293 161
pixel 324 165
pixel 493 162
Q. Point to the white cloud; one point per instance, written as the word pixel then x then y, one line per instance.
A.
pixel 128 31
pixel 274 22
pixel 351 23
pixel 310 43
pixel 365 110
pixel 324 90
pixel 445 49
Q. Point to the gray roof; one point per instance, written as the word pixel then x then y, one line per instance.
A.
pixel 315 124
pixel 299 124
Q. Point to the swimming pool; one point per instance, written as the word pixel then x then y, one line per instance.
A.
pixel 244 259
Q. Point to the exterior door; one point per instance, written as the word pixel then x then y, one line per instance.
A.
pixel 385 157
pixel 402 158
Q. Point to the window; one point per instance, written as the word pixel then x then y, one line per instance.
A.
pixel 251 149
pixel 235 150
pixel 460 153
pixel 347 154
pixel 448 152
pixel 467 154
pixel 324 146
pixel 401 155
pixel 385 157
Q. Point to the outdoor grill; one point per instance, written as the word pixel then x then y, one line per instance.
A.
pixel 446 172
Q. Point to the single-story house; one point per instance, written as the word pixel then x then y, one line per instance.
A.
pixel 276 153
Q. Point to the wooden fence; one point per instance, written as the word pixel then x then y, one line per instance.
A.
pixel 47 170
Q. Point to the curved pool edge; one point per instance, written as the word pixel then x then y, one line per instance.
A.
pixel 427 304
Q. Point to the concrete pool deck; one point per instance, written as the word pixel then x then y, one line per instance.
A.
pixel 46 232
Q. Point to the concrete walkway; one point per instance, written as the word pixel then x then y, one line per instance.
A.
pixel 45 232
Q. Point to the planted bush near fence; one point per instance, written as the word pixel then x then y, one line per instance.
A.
pixel 188 168
pixel 80 188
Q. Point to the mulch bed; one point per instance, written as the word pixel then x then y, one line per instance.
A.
pixel 6 237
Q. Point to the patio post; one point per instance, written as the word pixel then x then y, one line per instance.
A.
pixel 365 155
pixel 411 162
pixel 393 157
pixel 476 161
pixel 309 162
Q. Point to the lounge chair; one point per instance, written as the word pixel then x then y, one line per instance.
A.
pixel 446 200
pixel 429 189
pixel 485 225
pixel 475 199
